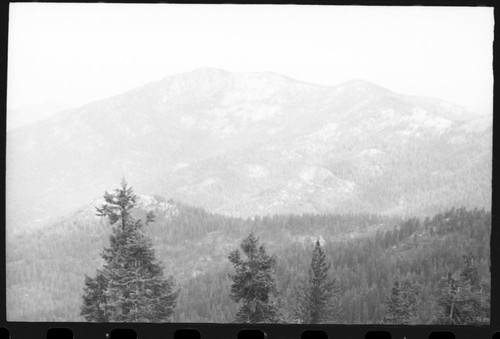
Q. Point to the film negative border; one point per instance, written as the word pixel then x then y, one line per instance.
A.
pixel 235 331
pixel 36 330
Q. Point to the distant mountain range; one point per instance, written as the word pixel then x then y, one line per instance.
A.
pixel 245 144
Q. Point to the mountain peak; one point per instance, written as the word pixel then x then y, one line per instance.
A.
pixel 247 136
pixel 261 76
pixel 208 71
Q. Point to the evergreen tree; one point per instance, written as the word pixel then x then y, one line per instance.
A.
pixel 131 286
pixel 454 301
pixel 480 290
pixel 253 283
pixel 95 301
pixel 402 303
pixel 462 298
pixel 470 273
pixel 316 297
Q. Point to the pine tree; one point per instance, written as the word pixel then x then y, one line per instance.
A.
pixel 316 297
pixel 131 286
pixel 402 303
pixel 253 283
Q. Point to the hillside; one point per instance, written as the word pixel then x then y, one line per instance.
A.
pixel 245 144
pixel 46 268
pixel 20 116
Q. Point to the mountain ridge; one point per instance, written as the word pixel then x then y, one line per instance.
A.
pixel 253 144
pixel 209 71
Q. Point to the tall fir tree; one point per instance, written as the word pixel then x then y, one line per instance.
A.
pixel 253 283
pixel 316 298
pixel 402 303
pixel 131 286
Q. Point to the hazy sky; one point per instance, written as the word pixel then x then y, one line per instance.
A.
pixel 77 53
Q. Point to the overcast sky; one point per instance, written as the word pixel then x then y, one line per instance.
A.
pixel 77 53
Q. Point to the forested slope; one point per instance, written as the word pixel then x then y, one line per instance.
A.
pixel 45 271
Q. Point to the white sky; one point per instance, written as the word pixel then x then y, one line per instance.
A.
pixel 77 53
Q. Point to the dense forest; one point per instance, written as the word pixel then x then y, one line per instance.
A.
pixel 367 254
pixel 380 263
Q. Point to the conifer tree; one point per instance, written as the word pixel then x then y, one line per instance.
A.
pixel 480 289
pixel 131 286
pixel 95 301
pixel 454 301
pixel 462 298
pixel 253 283
pixel 402 303
pixel 316 297
pixel 470 273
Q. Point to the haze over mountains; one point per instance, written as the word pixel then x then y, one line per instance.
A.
pixel 19 116
pixel 254 143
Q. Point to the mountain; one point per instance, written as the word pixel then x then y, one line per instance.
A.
pixel 245 144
